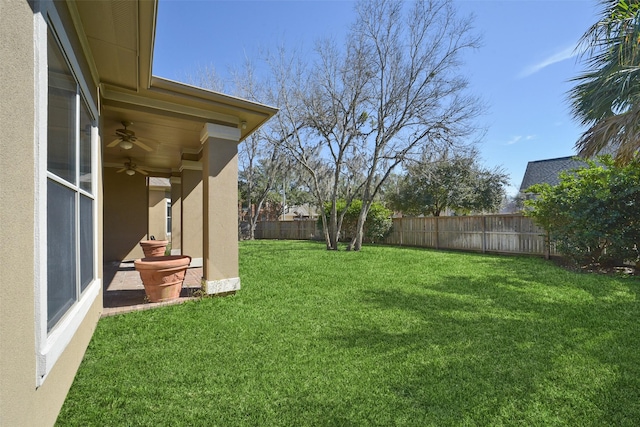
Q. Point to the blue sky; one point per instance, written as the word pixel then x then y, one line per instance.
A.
pixel 521 72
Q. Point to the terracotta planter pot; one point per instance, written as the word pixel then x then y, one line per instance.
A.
pixel 153 248
pixel 162 276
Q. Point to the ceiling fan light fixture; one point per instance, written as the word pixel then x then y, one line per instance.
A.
pixel 130 172
pixel 126 145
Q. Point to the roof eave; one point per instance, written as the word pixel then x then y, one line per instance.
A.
pixel 253 114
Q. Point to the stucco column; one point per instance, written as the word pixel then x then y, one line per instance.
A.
pixel 220 204
pixel 191 211
pixel 176 215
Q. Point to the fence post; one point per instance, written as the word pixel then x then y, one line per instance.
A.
pixel 547 246
pixel 484 234
pixel 417 233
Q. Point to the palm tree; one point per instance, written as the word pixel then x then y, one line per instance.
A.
pixel 607 96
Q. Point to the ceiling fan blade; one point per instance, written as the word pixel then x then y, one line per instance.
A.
pixel 142 171
pixel 150 141
pixel 142 145
pixel 121 170
pixel 114 143
pixel 125 133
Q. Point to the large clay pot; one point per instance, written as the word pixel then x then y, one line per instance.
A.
pixel 152 248
pixel 162 276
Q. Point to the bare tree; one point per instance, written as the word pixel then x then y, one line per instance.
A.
pixel 416 99
pixel 205 76
pixel 261 161
pixel 262 167
pixel 322 119
pixel 392 94
pixel 288 129
pixel 334 111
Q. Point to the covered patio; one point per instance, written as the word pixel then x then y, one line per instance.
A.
pixel 124 292
pixel 85 126
pixel 154 127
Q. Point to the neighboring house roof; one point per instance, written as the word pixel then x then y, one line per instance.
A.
pixel 303 210
pixel 548 171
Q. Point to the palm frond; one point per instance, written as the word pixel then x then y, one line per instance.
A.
pixel 618 135
pixel 607 96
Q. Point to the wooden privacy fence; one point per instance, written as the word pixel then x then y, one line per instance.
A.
pixel 288 230
pixel 514 234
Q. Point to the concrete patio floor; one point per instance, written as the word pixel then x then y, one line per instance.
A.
pixel 123 290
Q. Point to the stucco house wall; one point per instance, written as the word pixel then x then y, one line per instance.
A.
pixel 125 216
pixel 24 402
pixel 191 215
pixel 176 216
pixel 158 195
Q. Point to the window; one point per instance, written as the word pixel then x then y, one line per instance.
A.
pixel 70 266
pixel 168 200
pixel 66 265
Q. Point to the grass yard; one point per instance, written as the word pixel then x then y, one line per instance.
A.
pixel 389 336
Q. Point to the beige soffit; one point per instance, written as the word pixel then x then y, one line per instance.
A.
pixel 109 34
pixel 119 36
pixel 159 183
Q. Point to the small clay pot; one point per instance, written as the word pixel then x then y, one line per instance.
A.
pixel 162 276
pixel 153 248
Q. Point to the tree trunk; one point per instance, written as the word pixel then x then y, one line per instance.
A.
pixel 333 226
pixel 252 215
pixel 253 219
pixel 356 242
pixel 325 230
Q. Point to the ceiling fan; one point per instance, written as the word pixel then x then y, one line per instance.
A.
pixel 126 138
pixel 131 168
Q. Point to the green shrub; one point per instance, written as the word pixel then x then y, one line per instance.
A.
pixel 376 227
pixel 593 214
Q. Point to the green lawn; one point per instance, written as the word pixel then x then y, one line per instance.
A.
pixel 388 336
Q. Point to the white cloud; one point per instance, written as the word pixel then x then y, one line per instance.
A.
pixel 564 54
pixel 514 140
pixel 519 138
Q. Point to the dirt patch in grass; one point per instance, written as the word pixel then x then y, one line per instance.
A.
pixel 625 270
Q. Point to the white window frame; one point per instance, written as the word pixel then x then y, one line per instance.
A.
pixel 50 345
pixel 168 216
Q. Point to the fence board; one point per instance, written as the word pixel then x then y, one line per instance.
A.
pixel 287 230
pixel 491 233
pixel 512 233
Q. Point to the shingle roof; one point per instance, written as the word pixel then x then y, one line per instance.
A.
pixel 547 171
pixel 303 210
